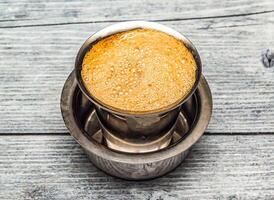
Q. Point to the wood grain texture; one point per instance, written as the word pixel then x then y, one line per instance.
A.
pixel 35 62
pixel 55 167
pixel 33 13
pixel 38 43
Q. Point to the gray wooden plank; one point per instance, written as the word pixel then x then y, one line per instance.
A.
pixel 35 62
pixel 41 12
pixel 55 167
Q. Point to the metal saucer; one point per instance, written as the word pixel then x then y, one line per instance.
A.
pixel 80 118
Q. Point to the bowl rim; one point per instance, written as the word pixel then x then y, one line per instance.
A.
pixel 93 147
pixel 126 26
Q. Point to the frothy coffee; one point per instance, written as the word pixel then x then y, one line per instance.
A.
pixel 139 70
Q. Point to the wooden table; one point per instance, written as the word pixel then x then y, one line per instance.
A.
pixel 38 44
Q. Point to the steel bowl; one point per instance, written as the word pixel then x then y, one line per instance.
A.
pixel 136 127
pixel 82 123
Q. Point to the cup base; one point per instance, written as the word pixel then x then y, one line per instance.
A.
pixel 123 145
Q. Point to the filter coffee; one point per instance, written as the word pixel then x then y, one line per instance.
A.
pixel 140 70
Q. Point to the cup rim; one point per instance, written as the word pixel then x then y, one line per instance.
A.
pixel 126 26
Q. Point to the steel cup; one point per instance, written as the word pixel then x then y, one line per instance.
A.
pixel 136 128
